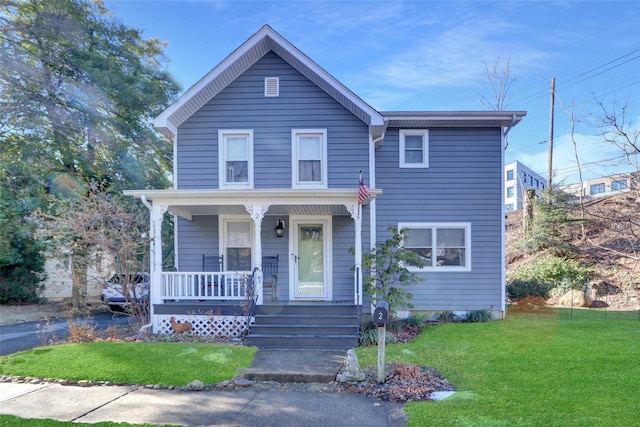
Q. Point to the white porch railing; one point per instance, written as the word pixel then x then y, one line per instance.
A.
pixel 214 286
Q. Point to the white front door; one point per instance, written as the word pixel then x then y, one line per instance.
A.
pixel 310 259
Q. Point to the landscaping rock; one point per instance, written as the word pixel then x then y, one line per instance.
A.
pixel 195 385
pixel 574 298
pixel 241 382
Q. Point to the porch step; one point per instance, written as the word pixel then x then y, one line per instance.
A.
pixel 305 326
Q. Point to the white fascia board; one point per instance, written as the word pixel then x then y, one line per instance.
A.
pixel 271 197
pixel 163 121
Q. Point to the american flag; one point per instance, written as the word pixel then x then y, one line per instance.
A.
pixel 363 191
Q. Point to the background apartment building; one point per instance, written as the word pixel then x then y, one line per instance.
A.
pixel 518 178
pixel 603 186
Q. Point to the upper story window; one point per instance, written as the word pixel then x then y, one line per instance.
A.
pixel 441 246
pixel 619 184
pixel 309 158
pixel 597 188
pixel 236 158
pixel 509 191
pixel 510 175
pixel 414 148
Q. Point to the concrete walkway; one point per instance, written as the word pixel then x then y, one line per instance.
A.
pixel 187 408
pixel 288 404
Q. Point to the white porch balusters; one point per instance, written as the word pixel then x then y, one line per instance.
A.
pixel 257 214
pixel 356 214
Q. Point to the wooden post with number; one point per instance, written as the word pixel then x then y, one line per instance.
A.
pixel 382 340
pixel 381 317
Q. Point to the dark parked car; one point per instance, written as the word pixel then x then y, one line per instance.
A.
pixel 138 286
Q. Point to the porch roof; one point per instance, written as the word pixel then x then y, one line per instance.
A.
pixel 188 203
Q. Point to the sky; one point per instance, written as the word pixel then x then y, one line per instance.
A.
pixel 433 56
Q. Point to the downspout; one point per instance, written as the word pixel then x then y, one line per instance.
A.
pixel 145 202
pixel 508 129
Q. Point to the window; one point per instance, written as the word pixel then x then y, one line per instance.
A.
pixel 309 158
pixel 445 246
pixel 508 207
pixel 510 175
pixel 537 183
pixel 509 191
pixel 597 188
pixel 620 184
pixel 414 148
pixel 236 158
pixel 236 243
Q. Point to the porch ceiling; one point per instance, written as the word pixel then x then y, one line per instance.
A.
pixel 189 203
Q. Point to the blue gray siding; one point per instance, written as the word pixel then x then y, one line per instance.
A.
pixel 242 105
pixel 462 184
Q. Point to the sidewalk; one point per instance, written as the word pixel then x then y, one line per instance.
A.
pixel 249 407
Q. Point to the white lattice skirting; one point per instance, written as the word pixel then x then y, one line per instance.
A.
pixel 219 326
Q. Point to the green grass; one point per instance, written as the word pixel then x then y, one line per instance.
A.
pixel 136 363
pixel 11 421
pixel 572 368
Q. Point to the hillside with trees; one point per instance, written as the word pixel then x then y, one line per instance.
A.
pixel 591 246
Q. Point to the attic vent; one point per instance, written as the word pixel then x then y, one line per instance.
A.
pixel 271 86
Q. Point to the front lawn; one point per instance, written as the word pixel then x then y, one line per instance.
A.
pixel 136 363
pixel 571 368
pixel 568 368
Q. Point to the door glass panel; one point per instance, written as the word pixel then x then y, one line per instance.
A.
pixel 310 260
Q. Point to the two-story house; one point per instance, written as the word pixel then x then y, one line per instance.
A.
pixel 268 149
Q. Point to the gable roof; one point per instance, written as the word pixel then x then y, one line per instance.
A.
pixel 262 42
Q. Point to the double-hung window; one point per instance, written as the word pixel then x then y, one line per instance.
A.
pixel 309 158
pixel 440 246
pixel 414 148
pixel 236 243
pixel 236 158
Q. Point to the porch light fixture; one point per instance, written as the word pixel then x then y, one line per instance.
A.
pixel 280 228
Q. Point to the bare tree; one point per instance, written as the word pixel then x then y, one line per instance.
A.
pixel 94 228
pixel 500 82
pixel 620 133
pixel 618 218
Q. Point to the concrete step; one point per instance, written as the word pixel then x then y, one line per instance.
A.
pixel 299 365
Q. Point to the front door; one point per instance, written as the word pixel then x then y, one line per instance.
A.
pixel 310 259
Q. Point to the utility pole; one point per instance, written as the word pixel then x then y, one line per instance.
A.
pixel 553 97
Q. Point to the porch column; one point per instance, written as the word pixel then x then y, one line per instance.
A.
pixel 356 213
pixel 157 213
pixel 257 214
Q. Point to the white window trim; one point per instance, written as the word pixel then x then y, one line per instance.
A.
pixel 295 181
pixel 447 268
pixel 222 157
pixel 222 234
pixel 425 141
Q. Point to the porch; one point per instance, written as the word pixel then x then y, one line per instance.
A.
pixel 316 266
